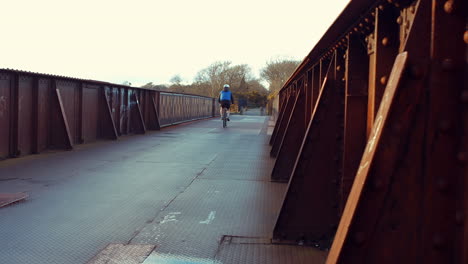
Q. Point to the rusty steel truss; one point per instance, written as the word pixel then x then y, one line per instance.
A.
pixel 40 112
pixel 372 136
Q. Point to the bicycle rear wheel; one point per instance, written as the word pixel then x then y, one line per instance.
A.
pixel 224 117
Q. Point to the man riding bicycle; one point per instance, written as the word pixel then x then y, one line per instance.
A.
pixel 225 99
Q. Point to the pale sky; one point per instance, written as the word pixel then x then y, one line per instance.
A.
pixel 145 41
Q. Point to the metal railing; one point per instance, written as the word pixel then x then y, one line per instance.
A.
pixel 39 111
pixel 372 136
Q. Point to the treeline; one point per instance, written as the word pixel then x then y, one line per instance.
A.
pixel 246 87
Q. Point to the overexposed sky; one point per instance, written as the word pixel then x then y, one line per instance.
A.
pixel 152 40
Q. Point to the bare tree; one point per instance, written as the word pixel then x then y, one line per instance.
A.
pixel 215 75
pixel 276 72
pixel 176 79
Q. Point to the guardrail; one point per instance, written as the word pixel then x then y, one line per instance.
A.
pixel 39 111
pixel 372 136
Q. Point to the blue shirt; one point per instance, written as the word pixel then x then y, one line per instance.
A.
pixel 225 96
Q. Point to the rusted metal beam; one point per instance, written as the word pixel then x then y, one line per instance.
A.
pixel 409 198
pixel 291 143
pixel 35 117
pixel 310 209
pixel 282 125
pixel 157 125
pixel 382 48
pixel 109 129
pixel 355 112
pixel 64 119
pixel 280 117
pixel 139 115
pixel 14 115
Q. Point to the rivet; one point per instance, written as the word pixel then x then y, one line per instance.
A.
pixel 381 7
pixel 343 79
pixel 442 184
pixel 385 41
pixel 399 20
pixel 383 80
pixel 464 96
pixel 459 217
pixel 366 20
pixel 361 25
pixel 449 6
pixel 356 29
pixel 465 37
pixel 372 14
pixel 359 238
pixel 412 9
pixel 461 156
pixel 338 68
pixel 448 65
pixel 445 125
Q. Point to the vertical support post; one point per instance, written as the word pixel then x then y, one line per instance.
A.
pixel 35 116
pixel 291 142
pixel 111 130
pixel 156 114
pixel 280 116
pixel 282 125
pixel 14 116
pixel 313 189
pixel 357 67
pixel 80 113
pixel 382 47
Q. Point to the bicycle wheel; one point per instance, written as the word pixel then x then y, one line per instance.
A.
pixel 224 117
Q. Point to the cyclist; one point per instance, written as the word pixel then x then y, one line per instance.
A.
pixel 225 99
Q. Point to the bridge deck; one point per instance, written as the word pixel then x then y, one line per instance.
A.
pixel 195 193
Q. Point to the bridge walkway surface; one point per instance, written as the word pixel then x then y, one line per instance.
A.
pixel 192 193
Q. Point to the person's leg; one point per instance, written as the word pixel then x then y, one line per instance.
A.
pixel 221 112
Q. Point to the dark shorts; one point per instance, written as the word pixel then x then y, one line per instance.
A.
pixel 226 104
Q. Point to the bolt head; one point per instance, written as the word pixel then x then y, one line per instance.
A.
pixel 449 7
pixel 399 20
pixel 383 80
pixel 385 41
pixel 465 37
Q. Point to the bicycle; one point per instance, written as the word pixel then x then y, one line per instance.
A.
pixel 224 117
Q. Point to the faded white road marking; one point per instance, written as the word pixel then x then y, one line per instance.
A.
pixel 210 218
pixel 171 217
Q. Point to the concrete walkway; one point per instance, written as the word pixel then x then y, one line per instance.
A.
pixel 193 193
